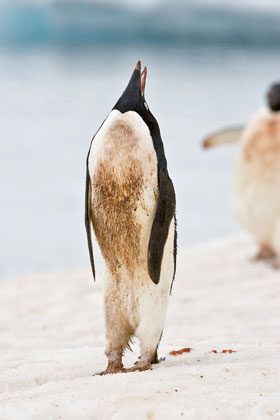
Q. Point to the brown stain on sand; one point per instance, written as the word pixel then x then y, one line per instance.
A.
pixel 189 349
pixel 184 350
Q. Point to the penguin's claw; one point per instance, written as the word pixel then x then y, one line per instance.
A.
pixel 265 253
pixel 140 367
pixel 157 361
pixel 268 255
pixel 110 372
pixel 111 369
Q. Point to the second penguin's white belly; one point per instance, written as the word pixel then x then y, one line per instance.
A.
pixel 256 198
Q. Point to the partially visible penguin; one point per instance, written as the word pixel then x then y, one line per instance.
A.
pixel 130 203
pixel 256 193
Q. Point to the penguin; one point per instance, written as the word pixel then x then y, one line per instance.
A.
pixel 256 186
pixel 130 204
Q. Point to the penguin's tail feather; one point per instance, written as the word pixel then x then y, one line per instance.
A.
pixel 224 136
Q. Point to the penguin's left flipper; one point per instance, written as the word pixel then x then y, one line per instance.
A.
pixel 228 135
pixel 160 228
pixel 88 221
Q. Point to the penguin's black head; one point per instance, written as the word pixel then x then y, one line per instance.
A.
pixel 133 98
pixel 273 97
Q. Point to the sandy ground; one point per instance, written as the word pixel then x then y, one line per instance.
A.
pixel 52 341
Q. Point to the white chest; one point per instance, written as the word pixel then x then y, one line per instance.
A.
pixel 123 173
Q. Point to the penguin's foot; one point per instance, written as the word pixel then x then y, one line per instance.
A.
pixel 112 367
pixel 265 253
pixel 275 263
pixel 154 361
pixel 158 360
pixel 140 366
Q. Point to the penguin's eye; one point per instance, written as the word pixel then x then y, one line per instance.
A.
pixel 146 106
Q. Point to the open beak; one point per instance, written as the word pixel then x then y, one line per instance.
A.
pixel 143 80
pixel 143 76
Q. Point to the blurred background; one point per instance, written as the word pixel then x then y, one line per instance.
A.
pixel 63 65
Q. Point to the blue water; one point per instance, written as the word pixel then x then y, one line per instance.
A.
pixel 76 24
pixel 52 103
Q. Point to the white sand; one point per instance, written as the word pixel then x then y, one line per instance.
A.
pixel 52 341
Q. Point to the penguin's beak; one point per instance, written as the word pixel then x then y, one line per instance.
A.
pixel 143 80
pixel 143 76
pixel 138 66
pixel 134 91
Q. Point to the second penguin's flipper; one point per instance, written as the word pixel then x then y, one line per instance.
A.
pixel 160 228
pixel 88 221
pixel 225 136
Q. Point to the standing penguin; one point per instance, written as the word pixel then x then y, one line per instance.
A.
pixel 130 202
pixel 256 193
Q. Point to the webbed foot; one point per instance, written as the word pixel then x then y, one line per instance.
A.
pixel 140 366
pixel 275 263
pixel 265 253
pixel 111 369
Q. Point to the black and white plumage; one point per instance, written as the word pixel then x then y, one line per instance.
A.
pixel 130 202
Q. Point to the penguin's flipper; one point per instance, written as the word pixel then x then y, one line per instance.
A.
pixel 224 136
pixel 88 221
pixel 160 228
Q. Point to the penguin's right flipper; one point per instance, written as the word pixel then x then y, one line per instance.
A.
pixel 160 228
pixel 88 220
pixel 224 136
